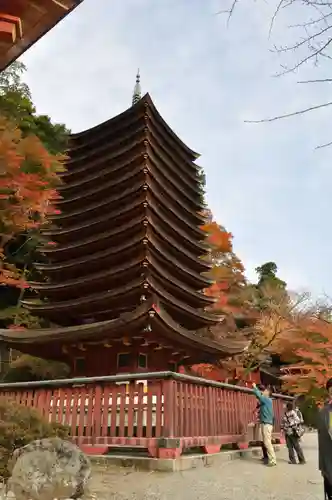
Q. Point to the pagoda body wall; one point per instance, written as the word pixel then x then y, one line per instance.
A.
pixel 101 360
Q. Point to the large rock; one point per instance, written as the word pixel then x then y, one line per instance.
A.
pixel 49 469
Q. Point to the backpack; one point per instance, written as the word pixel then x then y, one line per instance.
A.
pixel 298 431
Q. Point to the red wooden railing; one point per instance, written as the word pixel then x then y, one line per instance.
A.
pixel 164 413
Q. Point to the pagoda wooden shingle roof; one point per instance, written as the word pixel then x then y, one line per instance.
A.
pixel 128 236
pixel 120 326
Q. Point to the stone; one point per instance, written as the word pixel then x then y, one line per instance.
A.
pixel 49 469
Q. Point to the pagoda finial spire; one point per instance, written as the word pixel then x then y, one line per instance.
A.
pixel 137 89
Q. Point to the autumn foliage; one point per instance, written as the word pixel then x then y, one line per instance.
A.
pixel 28 179
pixel 228 278
pixel 227 271
pixel 312 358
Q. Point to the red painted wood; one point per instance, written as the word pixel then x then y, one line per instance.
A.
pixel 159 410
pixel 53 405
pixel 139 413
pixel 169 453
pixel 140 410
pixel 62 396
pixel 7 32
pixel 122 395
pixel 74 412
pixel 200 421
pixel 81 418
pixel 180 408
pixel 169 408
pixel 194 410
pixel 131 409
pixel 98 412
pixel 29 398
pixel 114 410
pixel 149 407
pixel 186 410
pixel 94 450
pixel 89 414
pixel 68 400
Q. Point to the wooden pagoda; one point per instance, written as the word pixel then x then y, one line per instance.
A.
pixel 23 22
pixel 124 268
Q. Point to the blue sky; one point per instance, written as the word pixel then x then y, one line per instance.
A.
pixel 265 182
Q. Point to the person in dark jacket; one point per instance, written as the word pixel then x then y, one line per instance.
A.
pixel 291 424
pixel 324 428
pixel 266 420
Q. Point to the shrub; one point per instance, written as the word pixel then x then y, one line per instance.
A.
pixel 28 368
pixel 19 425
pixel 309 410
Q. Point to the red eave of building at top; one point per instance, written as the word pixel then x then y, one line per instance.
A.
pixel 23 22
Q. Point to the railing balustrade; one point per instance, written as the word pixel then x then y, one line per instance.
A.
pixel 164 412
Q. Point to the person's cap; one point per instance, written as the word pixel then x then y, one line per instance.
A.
pixel 329 384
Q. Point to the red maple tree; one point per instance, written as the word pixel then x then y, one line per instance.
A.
pixel 28 180
pixel 227 273
pixel 310 350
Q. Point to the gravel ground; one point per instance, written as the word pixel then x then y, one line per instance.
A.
pixel 237 479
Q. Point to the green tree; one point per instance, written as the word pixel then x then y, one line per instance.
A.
pixel 17 107
pixel 267 276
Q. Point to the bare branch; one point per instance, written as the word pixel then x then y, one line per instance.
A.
pixel 232 9
pixel 229 11
pixel 304 41
pixel 312 45
pixel 306 59
pixel 289 115
pixel 276 12
pixel 323 18
pixel 324 145
pixel 323 80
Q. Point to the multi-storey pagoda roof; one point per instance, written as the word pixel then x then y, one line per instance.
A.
pixel 127 264
pixel 23 22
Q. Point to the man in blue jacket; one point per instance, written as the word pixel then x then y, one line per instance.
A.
pixel 266 420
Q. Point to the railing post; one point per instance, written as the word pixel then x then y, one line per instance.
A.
pixel 168 446
pixel 168 390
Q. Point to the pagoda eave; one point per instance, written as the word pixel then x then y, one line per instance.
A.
pixel 192 155
pixel 136 128
pixel 151 317
pixel 115 273
pixel 114 161
pixel 23 23
pixel 118 296
pixel 155 144
pixel 121 274
pixel 93 301
pixel 145 102
pixel 134 176
pixel 83 213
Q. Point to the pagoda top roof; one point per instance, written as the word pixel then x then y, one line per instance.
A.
pixel 113 328
pixel 144 102
pixel 23 22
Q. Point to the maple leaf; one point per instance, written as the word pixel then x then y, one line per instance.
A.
pixel 28 181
